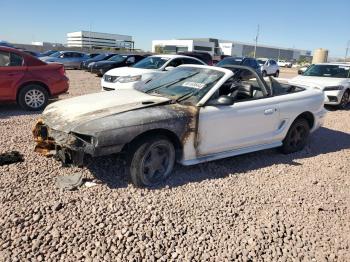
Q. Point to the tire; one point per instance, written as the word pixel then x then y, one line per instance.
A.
pixel 277 74
pixel 296 137
pixel 264 74
pixel 33 97
pixel 345 100
pixel 151 161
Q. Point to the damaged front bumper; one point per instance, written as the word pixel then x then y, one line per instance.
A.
pixel 68 147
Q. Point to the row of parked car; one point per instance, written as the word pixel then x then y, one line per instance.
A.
pixel 32 81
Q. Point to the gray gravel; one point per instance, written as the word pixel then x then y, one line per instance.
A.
pixel 260 206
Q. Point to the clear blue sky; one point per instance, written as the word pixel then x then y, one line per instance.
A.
pixel 294 23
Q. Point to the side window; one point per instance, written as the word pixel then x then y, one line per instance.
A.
pixel 10 59
pixel 175 62
pixel 253 63
pixel 4 59
pixel 272 62
pixel 130 60
pixel 77 55
pixel 246 62
pixel 15 60
pixel 191 61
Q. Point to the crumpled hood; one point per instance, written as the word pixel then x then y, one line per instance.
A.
pixel 314 81
pixel 130 71
pixel 68 114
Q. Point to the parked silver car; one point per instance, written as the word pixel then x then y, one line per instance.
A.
pixel 70 59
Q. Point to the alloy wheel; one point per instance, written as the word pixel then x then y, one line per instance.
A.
pixel 345 100
pixel 34 98
pixel 156 163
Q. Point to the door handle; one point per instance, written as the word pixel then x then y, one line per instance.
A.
pixel 12 74
pixel 269 111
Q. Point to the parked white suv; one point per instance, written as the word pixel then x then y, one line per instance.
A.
pixel 144 71
pixel 332 78
pixel 268 67
pixel 284 63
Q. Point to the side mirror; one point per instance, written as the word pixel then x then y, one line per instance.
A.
pixel 169 68
pixel 221 101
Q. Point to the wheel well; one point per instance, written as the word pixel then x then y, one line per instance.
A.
pixel 309 117
pixel 154 132
pixel 33 83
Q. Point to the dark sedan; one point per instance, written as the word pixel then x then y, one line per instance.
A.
pixel 101 67
pixel 100 57
pixel 245 61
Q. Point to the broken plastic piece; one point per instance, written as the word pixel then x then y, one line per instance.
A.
pixel 69 182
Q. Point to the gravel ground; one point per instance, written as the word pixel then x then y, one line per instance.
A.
pixel 260 206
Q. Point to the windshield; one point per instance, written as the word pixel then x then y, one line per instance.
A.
pixel 230 61
pixel 117 58
pixel 56 54
pixel 337 71
pixel 99 57
pixel 184 83
pixel 261 62
pixel 151 62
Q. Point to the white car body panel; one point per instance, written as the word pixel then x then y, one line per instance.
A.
pixel 147 74
pixel 248 126
pixel 321 83
pixel 269 68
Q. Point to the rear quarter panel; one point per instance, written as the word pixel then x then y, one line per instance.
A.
pixel 292 105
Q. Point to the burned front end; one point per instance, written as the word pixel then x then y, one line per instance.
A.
pixel 70 148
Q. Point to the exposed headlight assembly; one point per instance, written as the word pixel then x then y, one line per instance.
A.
pixel 127 79
pixel 333 88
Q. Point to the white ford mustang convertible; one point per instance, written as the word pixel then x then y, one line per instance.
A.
pixel 191 114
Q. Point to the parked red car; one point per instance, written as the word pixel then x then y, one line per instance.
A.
pixel 29 81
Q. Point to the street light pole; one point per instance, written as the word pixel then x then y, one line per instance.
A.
pixel 347 50
pixel 256 40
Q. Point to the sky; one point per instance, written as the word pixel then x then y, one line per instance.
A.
pixel 303 24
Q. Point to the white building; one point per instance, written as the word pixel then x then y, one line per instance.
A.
pixel 224 47
pixel 98 40
pixel 235 48
pixel 174 46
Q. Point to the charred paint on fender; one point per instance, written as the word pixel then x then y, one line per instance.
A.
pixel 111 131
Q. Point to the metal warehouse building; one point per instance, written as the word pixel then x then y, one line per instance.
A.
pixel 226 47
pixel 99 40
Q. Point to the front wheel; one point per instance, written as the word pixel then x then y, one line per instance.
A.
pixel 264 74
pixel 151 161
pixel 345 100
pixel 33 97
pixel 296 137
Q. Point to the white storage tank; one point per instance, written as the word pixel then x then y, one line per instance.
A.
pixel 320 56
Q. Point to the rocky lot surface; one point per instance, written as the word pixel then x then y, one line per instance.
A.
pixel 260 206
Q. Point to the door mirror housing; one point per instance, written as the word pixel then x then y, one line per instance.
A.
pixel 169 68
pixel 221 101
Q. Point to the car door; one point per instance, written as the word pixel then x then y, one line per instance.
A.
pixel 248 122
pixel 12 70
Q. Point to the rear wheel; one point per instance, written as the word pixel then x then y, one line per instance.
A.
pixel 296 137
pixel 345 100
pixel 277 74
pixel 33 97
pixel 151 161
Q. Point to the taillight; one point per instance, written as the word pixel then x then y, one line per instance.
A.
pixel 62 71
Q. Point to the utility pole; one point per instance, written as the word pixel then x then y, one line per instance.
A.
pixel 347 50
pixel 256 40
